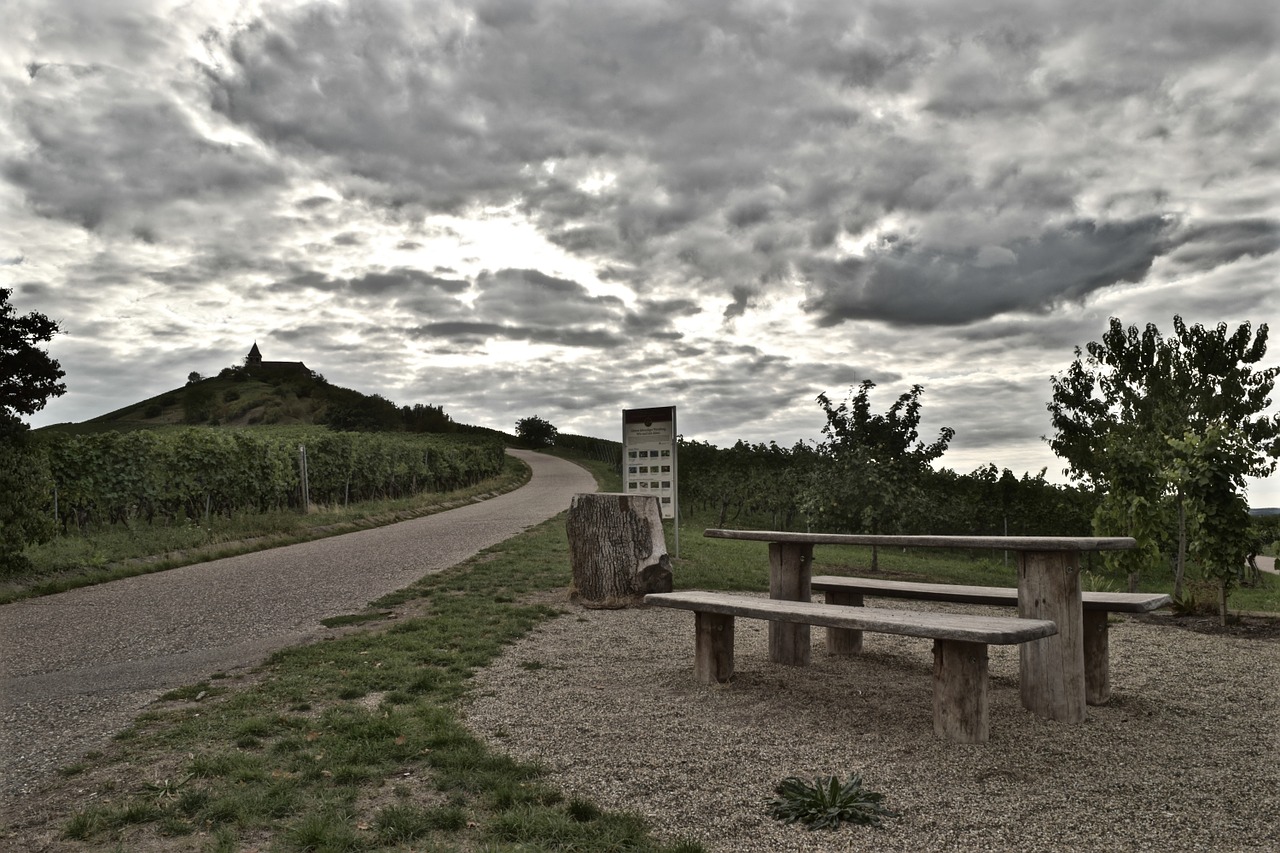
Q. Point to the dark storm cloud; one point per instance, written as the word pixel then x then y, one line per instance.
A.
pixel 474 334
pixel 394 284
pixel 1214 244
pixel 527 305
pixel 771 147
pixel 541 300
pixel 901 283
pixel 105 151
pixel 652 315
pixel 586 240
pixel 403 282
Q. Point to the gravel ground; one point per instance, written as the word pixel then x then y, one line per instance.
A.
pixel 1183 758
pixel 77 667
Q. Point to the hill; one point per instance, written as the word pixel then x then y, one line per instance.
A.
pixel 239 396
pixel 262 392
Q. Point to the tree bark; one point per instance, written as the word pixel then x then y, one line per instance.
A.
pixel 617 549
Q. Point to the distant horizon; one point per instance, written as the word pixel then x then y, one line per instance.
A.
pixel 940 464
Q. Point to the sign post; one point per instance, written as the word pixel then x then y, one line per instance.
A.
pixel 649 459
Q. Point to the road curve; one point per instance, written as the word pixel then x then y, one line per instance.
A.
pixel 76 667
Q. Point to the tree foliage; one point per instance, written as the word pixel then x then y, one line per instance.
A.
pixel 535 432
pixel 874 466
pixel 1167 428
pixel 28 378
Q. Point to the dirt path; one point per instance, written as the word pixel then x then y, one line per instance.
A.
pixel 76 667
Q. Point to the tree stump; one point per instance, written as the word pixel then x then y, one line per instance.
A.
pixel 617 549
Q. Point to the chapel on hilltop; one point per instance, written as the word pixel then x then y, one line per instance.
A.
pixel 255 366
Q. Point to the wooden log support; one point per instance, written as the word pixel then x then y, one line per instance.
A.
pixel 617 549
pixel 844 641
pixel 960 703
pixel 1097 649
pixel 1052 669
pixel 790 568
pixel 713 648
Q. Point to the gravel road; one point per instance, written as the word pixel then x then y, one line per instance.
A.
pixel 76 667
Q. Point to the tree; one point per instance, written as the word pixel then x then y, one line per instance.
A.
pixel 536 432
pixel 28 378
pixel 871 475
pixel 1167 429
pixel 197 402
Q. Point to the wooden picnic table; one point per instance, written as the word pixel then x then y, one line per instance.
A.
pixel 1052 669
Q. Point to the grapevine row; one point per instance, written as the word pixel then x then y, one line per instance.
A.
pixel 151 475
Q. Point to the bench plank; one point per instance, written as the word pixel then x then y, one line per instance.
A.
pixel 935 626
pixel 999 543
pixel 1123 602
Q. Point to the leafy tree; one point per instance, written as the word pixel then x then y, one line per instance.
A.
pixel 422 418
pixel 536 432
pixel 357 412
pixel 873 469
pixel 1167 429
pixel 28 378
pixel 197 402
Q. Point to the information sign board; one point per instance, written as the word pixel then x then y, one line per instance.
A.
pixel 649 455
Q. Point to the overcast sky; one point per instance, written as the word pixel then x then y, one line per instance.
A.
pixel 570 208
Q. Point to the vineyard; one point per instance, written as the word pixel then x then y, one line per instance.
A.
pixel 794 489
pixel 159 476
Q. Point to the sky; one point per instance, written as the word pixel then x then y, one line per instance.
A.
pixel 566 209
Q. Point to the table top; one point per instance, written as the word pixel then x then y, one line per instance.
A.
pixel 1004 543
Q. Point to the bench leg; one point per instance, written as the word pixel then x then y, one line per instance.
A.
pixel 844 641
pixel 712 648
pixel 790 572
pixel 960 691
pixel 1052 668
pixel 1097 669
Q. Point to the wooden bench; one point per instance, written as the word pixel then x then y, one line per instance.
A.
pixel 959 651
pixel 1051 670
pixel 849 591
